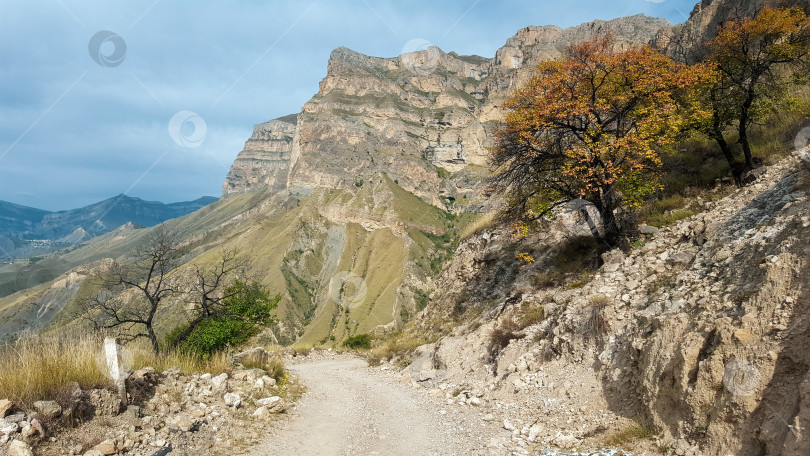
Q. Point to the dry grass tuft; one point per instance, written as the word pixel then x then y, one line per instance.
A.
pixel 506 332
pixel 400 344
pixel 482 223
pixel 34 368
pixel 531 315
pixel 42 367
pixel 639 430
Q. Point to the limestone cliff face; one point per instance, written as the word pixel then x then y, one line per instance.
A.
pixel 688 39
pixel 265 160
pixel 426 119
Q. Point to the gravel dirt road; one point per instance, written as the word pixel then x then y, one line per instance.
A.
pixel 351 409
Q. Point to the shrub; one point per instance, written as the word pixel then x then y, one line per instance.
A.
pixel 358 342
pixel 544 280
pixel 215 335
pixel 595 323
pixel 639 430
pixel 245 310
pixel 531 316
pixel 500 337
pixel 35 368
pixel 400 344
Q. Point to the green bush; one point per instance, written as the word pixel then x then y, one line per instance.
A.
pixel 359 341
pixel 246 309
pixel 214 335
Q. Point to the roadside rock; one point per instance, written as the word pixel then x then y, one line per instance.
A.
pixel 19 448
pixel 232 400
pixel 48 409
pixel 5 407
pixel 220 381
pixel 273 404
pixel 107 447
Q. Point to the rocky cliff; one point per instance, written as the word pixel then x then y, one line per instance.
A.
pixel 424 118
pixel 688 40
pixel 264 163
pixel 700 334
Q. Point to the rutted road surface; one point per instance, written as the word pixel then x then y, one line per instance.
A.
pixel 350 409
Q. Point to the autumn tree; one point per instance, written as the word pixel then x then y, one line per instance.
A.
pixel 132 316
pixel 755 59
pixel 593 126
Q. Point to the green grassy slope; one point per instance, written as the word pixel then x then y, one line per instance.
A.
pixel 299 244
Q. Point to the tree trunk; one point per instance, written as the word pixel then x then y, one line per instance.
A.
pixel 745 115
pixel 746 144
pixel 737 168
pixel 612 231
pixel 717 134
pixel 153 338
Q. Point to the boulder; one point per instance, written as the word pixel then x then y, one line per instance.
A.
pixel 48 409
pixel 33 431
pixel 5 407
pixel 220 381
pixel 648 230
pixel 19 448
pixel 104 402
pixel 612 260
pixel 94 453
pixel 232 400
pixel 534 432
pixel 262 413
pixel 682 258
pixel 8 427
pixel 272 404
pixel 107 447
pixel 16 418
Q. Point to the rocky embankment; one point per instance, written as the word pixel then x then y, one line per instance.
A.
pixel 698 338
pixel 172 411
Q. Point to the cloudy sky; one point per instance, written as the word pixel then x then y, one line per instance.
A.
pixel 79 124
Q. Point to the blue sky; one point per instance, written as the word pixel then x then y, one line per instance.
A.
pixel 73 131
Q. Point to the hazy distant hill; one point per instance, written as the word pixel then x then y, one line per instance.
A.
pixel 25 231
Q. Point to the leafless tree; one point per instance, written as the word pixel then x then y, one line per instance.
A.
pixel 210 288
pixel 133 319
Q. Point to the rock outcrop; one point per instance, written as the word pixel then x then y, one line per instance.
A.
pixel 265 161
pixel 425 119
pixel 701 332
pixel 688 40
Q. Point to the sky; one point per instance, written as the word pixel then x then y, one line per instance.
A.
pixel 155 98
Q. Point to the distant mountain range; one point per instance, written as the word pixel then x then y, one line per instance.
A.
pixel 26 231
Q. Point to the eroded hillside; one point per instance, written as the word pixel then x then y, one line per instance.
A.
pixel 700 334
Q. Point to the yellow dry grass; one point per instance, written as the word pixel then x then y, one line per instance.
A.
pixel 42 367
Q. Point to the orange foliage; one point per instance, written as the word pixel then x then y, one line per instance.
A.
pixel 593 124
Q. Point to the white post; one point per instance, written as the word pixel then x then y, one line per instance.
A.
pixel 111 351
